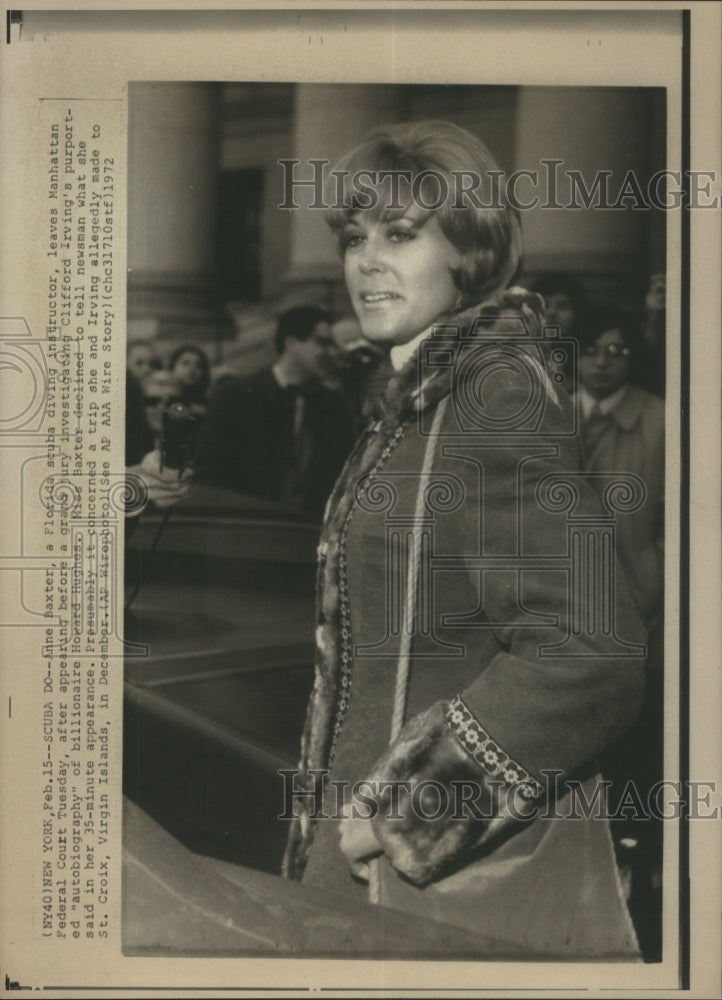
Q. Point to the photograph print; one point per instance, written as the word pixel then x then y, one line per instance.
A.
pixel 396 379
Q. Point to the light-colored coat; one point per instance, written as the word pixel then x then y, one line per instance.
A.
pixel 634 442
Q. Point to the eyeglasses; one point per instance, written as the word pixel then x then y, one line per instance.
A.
pixel 609 350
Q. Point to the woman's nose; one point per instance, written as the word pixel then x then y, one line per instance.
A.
pixel 371 258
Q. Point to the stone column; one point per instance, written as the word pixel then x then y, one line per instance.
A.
pixel 329 120
pixel 591 129
pixel 172 183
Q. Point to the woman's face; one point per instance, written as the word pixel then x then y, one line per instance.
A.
pixel 188 368
pixel 560 312
pixel 398 274
pixel 141 361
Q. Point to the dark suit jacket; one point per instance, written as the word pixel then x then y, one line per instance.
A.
pixel 246 443
pixel 138 435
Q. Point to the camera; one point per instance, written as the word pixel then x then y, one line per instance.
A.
pixel 180 429
pixel 482 360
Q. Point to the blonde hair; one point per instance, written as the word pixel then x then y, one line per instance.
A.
pixel 485 227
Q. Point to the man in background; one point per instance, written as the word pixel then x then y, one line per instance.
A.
pixel 279 433
pixel 622 430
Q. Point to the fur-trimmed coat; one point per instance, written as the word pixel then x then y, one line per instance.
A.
pixel 514 670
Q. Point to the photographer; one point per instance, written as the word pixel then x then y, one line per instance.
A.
pixel 162 485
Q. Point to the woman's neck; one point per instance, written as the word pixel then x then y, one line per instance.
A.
pixel 401 353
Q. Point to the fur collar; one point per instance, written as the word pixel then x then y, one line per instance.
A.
pixel 514 313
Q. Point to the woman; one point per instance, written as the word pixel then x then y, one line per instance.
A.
pixel 439 625
pixel 141 359
pixel 565 305
pixel 189 366
pixel 565 301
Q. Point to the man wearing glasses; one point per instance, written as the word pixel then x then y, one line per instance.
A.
pixel 622 430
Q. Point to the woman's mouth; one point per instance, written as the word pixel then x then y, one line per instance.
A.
pixel 377 298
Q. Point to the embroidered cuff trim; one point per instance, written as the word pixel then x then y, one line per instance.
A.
pixel 488 754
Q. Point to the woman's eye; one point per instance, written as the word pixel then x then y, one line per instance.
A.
pixel 351 240
pixel 400 235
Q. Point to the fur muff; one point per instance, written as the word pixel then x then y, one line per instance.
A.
pixel 422 827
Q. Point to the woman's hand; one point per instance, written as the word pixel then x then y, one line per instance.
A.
pixel 359 845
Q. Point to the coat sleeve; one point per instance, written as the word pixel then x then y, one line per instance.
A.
pixel 531 711
pixel 222 453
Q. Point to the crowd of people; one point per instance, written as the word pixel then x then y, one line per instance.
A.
pixel 281 433
pixel 330 367
pixel 348 389
pixel 151 387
